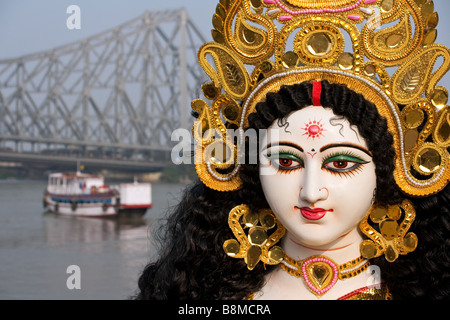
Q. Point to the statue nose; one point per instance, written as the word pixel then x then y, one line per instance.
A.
pixel 313 196
pixel 313 190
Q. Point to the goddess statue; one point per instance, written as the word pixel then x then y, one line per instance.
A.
pixel 322 151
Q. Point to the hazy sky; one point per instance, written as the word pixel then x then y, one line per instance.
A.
pixel 31 26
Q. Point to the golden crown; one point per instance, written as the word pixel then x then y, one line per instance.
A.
pixel 390 58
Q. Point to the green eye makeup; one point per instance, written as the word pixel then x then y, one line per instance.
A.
pixel 285 160
pixel 343 163
pixel 338 163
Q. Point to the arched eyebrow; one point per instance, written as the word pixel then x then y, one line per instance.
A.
pixel 288 144
pixel 347 145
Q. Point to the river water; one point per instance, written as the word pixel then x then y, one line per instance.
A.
pixel 37 248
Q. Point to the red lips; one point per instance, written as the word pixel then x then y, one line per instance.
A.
pixel 313 213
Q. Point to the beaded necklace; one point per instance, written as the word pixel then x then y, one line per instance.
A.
pixel 320 273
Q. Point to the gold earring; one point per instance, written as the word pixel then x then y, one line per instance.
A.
pixel 393 237
pixel 258 244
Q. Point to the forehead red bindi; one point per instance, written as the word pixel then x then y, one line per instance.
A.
pixel 313 129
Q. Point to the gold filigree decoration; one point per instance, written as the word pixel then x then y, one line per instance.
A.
pixel 392 45
pixel 263 39
pixel 258 243
pixel 319 44
pixel 411 80
pixel 392 238
pixel 320 4
pixel 416 76
pixel 216 156
pixel 442 132
pixel 390 58
pixel 225 61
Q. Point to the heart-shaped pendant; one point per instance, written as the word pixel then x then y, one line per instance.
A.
pixel 320 274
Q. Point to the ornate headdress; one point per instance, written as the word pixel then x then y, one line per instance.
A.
pixel 383 49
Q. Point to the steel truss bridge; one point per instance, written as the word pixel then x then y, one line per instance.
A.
pixel 109 101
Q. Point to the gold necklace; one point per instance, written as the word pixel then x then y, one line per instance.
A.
pixel 320 273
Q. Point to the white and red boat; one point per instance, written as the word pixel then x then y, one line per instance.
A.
pixel 81 194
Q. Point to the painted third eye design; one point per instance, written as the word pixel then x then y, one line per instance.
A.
pixel 314 129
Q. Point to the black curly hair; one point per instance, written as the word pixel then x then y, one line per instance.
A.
pixel 193 265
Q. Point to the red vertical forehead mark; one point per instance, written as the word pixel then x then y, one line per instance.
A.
pixel 317 91
pixel 313 129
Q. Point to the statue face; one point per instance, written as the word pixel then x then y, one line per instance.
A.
pixel 317 175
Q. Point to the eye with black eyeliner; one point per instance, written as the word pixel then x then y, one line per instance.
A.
pixel 285 160
pixel 343 163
